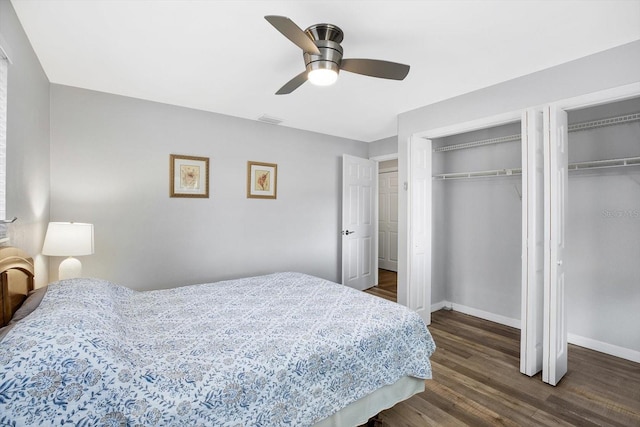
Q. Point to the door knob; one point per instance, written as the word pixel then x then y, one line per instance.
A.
pixel 560 262
pixel 346 233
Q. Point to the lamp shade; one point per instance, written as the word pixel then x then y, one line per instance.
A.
pixel 68 239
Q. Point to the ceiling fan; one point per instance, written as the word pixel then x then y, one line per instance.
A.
pixel 322 54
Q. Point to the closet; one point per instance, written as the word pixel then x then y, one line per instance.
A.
pixel 602 255
pixel 477 222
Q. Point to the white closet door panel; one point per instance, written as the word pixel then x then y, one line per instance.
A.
pixel 556 177
pixel 531 340
pixel 419 280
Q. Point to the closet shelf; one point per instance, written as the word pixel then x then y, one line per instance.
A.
pixel 572 128
pixel 595 164
pixel 604 122
pixel 478 143
pixel 604 164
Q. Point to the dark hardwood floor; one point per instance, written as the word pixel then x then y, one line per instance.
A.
pixel 387 285
pixel 477 382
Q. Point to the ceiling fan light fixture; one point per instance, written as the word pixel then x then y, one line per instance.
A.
pixel 323 70
pixel 322 77
pixel 322 55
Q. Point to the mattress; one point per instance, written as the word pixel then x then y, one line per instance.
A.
pixel 282 349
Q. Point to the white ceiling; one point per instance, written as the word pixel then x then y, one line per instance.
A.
pixel 222 56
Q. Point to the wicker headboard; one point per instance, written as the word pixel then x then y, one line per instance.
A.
pixel 16 281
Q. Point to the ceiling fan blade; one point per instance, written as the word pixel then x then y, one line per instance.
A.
pixel 290 30
pixel 376 68
pixel 293 84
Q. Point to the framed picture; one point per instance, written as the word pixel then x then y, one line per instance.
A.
pixel 262 180
pixel 189 176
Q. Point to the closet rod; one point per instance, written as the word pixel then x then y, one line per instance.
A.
pixel 604 164
pixel 572 128
pixel 478 174
pixel 580 166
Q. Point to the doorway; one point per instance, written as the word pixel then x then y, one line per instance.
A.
pixel 603 225
pixel 388 229
pixel 476 205
pixel 387 214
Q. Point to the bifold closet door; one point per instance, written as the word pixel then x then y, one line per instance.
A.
pixel 556 166
pixel 531 332
pixel 419 280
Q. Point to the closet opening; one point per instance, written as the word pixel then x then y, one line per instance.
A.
pixel 387 286
pixel 602 255
pixel 477 223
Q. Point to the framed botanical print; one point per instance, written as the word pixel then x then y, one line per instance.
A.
pixel 262 180
pixel 189 176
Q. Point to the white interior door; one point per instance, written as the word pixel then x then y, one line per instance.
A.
pixel 359 220
pixel 419 277
pixel 531 339
pixel 556 177
pixel 388 221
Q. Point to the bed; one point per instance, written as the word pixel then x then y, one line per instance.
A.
pixel 285 349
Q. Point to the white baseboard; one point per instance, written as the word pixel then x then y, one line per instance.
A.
pixel 439 306
pixel 514 323
pixel 603 347
pixel 599 346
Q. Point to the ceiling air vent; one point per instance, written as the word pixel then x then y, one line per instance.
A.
pixel 270 119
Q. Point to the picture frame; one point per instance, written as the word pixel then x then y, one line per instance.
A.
pixel 262 180
pixel 188 176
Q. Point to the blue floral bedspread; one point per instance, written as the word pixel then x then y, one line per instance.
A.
pixel 285 349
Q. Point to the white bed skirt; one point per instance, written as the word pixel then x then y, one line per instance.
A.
pixel 360 411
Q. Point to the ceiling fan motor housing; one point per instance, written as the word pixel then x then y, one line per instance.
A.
pixel 327 38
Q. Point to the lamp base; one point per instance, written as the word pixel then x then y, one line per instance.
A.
pixel 69 268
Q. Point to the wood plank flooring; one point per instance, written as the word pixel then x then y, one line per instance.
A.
pixel 477 382
pixel 387 285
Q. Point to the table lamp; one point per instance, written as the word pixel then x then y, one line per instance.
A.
pixel 68 239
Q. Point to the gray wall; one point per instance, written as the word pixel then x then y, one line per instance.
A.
pixel 586 75
pixel 383 147
pixel 110 167
pixel 611 68
pixel 27 143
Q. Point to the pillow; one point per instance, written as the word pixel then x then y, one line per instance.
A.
pixel 31 303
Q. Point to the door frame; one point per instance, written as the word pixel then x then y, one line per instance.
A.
pixel 404 237
pixel 554 362
pixel 582 101
pixel 378 159
pixel 606 96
